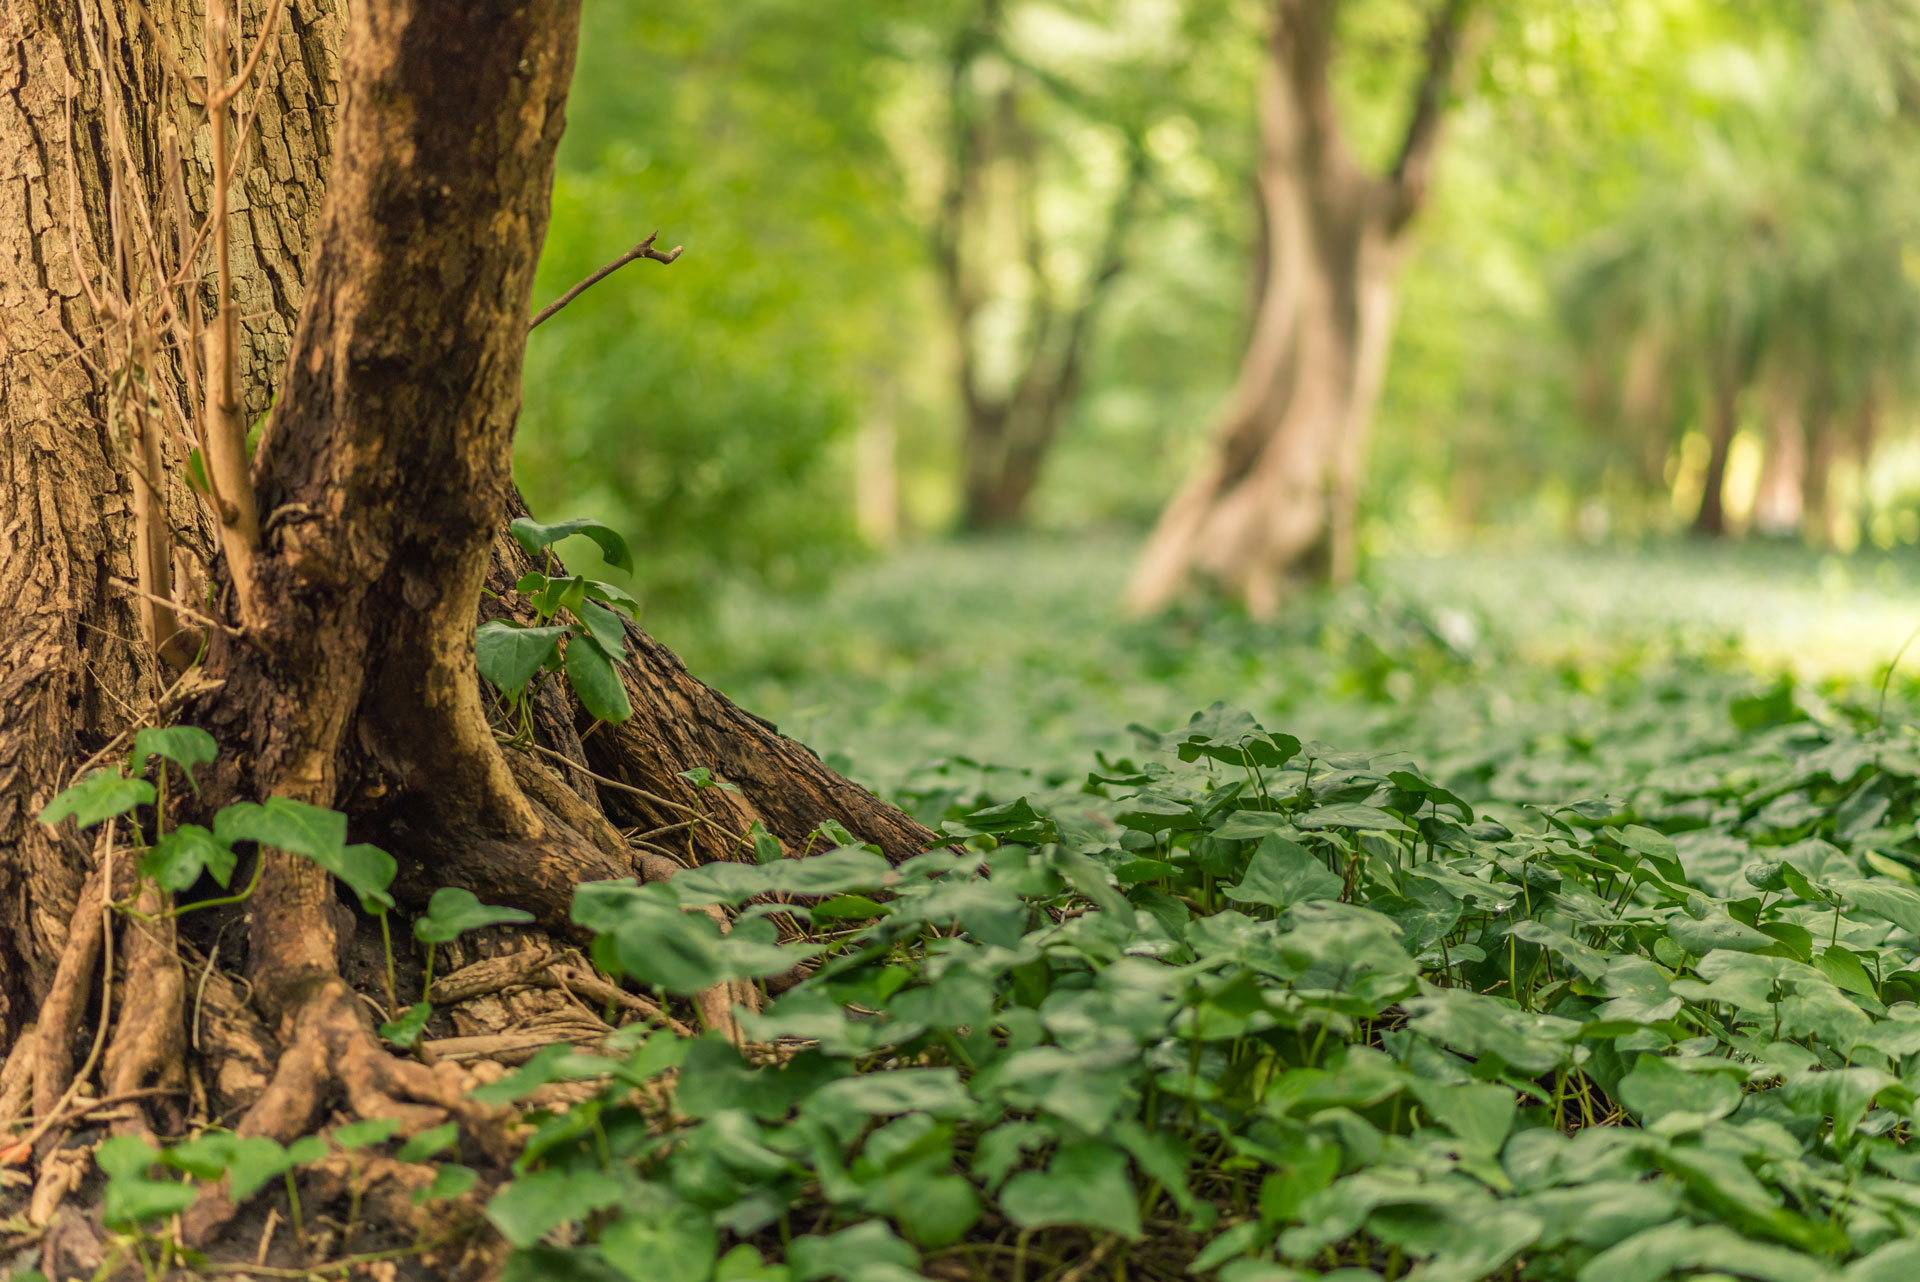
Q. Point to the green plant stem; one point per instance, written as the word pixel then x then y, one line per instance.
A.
pixel 386 945
pixel 293 1204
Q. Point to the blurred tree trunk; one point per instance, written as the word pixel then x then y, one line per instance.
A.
pixel 1279 492
pixel 1863 434
pixel 876 467
pixel 1646 404
pixel 1816 504
pixel 1723 409
pixel 1778 502
pixel 985 234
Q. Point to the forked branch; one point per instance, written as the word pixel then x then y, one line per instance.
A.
pixel 644 249
pixel 1413 169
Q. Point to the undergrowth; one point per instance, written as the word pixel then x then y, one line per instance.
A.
pixel 1620 992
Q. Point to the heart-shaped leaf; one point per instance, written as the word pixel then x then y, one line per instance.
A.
pixel 373 1130
pixel 429 1142
pixel 454 910
pixel 292 826
pixel 449 1182
pixel 534 536
pixel 596 681
pixel 101 795
pixel 605 626
pixel 178 859
pixel 1084 1184
pixel 508 656
pixel 406 1030
pixel 184 746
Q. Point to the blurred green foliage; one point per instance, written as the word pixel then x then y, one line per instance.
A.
pixel 1008 653
pixel 695 406
pixel 1611 170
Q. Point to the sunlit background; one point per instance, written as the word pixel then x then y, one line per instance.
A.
pixel 1667 239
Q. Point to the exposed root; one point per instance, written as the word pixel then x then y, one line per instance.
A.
pixel 16 1077
pixel 66 1002
pixel 60 1174
pixel 583 982
pixel 240 1054
pixel 330 1045
pixel 330 1048
pixel 148 1047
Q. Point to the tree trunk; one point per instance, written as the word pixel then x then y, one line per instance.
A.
pixel 1009 428
pixel 383 480
pixel 1006 444
pixel 1777 501
pixel 1279 492
pixel 1724 420
pixel 876 467
pixel 72 258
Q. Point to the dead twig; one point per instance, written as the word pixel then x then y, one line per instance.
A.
pixel 644 249
pixel 136 590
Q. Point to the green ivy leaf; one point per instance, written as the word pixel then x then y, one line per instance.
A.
pixel 1085 1184
pixel 132 1195
pixel 509 656
pixel 1282 873
pixel 177 860
pixel 319 835
pixel 292 826
pixel 532 1206
pixel 100 796
pixel 454 910
pixel 595 680
pixel 184 746
pixel 614 596
pixel 368 871
pixel 866 1252
pixel 429 1142
pixel 533 536
pixel 605 626
pixel 743 1264
pixel 450 1180
pixel 308 1148
pixel 1656 1089
pixel 406 1030
pixel 703 777
pixel 672 1241
pixel 206 1156
pixel 374 1130
pixel 256 1159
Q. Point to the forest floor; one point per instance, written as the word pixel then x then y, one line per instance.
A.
pixel 1544 916
pixel 1013 653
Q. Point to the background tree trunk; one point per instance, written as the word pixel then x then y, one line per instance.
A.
pixel 1279 491
pixel 1777 501
pixel 1723 409
pixel 987 226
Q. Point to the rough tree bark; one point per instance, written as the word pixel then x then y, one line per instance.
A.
pixel 383 483
pixel 71 673
pixel 1278 491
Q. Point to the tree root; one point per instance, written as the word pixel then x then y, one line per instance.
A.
pixel 149 1044
pixel 329 1045
pixel 66 1002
